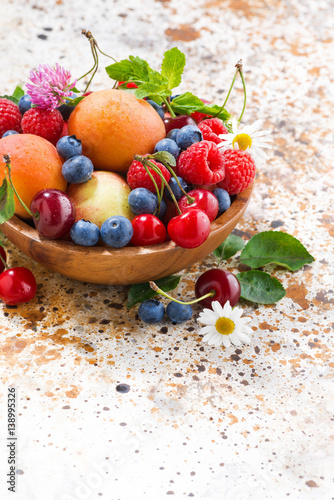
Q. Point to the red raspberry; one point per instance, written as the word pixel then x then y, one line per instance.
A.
pixel 10 116
pixel 201 163
pixel 211 128
pixel 138 177
pixel 239 169
pixel 43 122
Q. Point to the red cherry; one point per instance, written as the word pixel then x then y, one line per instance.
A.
pixel 17 285
pixel 190 229
pixel 56 213
pixel 4 256
pixel 204 200
pixel 224 283
pixel 178 122
pixel 147 230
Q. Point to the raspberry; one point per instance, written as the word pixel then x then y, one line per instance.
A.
pixel 201 163
pixel 138 177
pixel 10 116
pixel 43 122
pixel 239 170
pixel 211 128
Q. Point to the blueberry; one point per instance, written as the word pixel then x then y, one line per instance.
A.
pixel 151 311
pixel 86 233
pixel 117 231
pixel 161 212
pixel 142 201
pixel 179 312
pixel 168 145
pixel 69 146
pixel 224 200
pixel 173 133
pixel 159 109
pixel 24 104
pixel 175 188
pixel 9 132
pixel 173 96
pixel 188 135
pixel 65 109
pixel 77 169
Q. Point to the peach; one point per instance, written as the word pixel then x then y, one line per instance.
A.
pixel 113 125
pixel 35 165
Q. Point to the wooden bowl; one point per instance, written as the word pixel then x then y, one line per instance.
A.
pixel 124 266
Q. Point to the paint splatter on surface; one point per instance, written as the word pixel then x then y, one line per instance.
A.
pixel 197 421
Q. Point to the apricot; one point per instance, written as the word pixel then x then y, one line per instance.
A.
pixel 35 165
pixel 113 125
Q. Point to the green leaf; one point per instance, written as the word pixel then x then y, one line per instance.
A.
pixel 275 247
pixel 187 103
pixel 164 157
pixel 120 71
pixel 143 291
pixel 16 96
pixel 260 287
pixel 229 247
pixel 75 101
pixel 148 89
pixel 172 67
pixel 7 202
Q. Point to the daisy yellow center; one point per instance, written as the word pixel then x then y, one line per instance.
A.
pixel 225 326
pixel 244 141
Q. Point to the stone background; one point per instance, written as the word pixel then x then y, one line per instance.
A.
pixel 198 421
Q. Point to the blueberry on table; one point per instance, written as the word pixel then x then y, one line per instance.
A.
pixel 151 311
pixel 188 135
pixel 142 201
pixel 179 313
pixel 77 169
pixel 69 146
pixel 116 231
pixel 85 233
pixel 168 145
pixel 224 200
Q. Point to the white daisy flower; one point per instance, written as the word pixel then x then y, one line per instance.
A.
pixel 224 325
pixel 250 139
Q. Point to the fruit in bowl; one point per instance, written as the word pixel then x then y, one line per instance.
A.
pixel 117 145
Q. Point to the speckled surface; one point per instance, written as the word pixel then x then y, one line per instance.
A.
pixel 197 421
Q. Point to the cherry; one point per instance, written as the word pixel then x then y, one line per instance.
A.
pixel 190 229
pixel 177 122
pixel 3 258
pixel 147 230
pixel 56 213
pixel 224 283
pixel 17 285
pixel 204 200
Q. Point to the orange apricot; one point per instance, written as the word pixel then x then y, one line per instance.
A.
pixel 35 165
pixel 113 125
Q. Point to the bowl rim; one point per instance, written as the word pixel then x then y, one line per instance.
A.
pixel 226 218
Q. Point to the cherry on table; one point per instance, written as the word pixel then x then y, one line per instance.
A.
pixel 225 285
pixel 190 229
pixel 56 213
pixel 17 286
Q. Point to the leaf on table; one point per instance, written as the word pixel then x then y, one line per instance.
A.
pixel 229 247
pixel 143 291
pixel 275 247
pixel 260 287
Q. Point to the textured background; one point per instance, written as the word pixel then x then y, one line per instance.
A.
pixel 198 421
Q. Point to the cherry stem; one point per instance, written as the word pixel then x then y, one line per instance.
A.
pixel 169 107
pixel 159 195
pixel 158 290
pixel 239 65
pixel 4 262
pixel 7 161
pixel 190 199
pixel 238 70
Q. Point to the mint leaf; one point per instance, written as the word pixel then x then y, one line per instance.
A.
pixel 172 67
pixel 275 247
pixel 75 101
pixel 187 103
pixel 7 202
pixel 164 157
pixel 16 96
pixel 143 291
pixel 120 71
pixel 260 287
pixel 148 89
pixel 229 247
